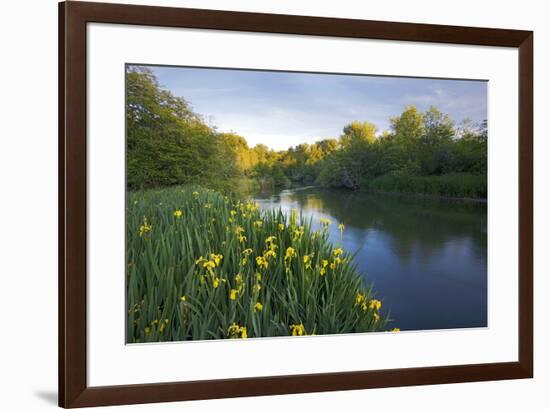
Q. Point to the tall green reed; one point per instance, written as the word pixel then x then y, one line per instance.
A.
pixel 204 266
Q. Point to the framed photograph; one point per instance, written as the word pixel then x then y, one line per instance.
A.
pixel 255 204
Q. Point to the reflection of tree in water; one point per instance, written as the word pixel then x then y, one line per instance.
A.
pixel 418 227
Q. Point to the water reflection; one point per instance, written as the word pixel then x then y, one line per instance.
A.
pixel 426 257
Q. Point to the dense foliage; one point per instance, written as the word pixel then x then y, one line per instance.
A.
pixel 203 266
pixel 421 153
pixel 168 144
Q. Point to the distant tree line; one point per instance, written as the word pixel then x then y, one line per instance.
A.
pixel 422 152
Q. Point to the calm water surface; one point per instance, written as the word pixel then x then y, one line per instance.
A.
pixel 427 258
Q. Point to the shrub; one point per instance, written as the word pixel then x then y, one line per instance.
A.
pixel 452 185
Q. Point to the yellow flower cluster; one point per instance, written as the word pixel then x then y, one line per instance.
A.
pixel 374 305
pixel 247 209
pixel 236 331
pixel 289 254
pixel 256 261
pixel 209 264
pixel 238 291
pixel 270 251
pixel 252 206
pixel 323 270
pixel 297 232
pixel 270 240
pixel 297 330
pixel 239 281
pixel 262 262
pixel 361 300
pixel 238 231
pixel 216 282
pixel 163 324
pixel 144 228
pixel 307 261
pixel 257 286
pixel 216 258
pixel 246 253
pixel 336 257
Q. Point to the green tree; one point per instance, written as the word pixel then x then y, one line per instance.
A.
pixel 409 126
pixel 358 132
pixel 438 127
pixel 167 143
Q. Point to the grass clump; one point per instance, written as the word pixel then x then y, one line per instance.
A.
pixel 204 266
pixel 460 185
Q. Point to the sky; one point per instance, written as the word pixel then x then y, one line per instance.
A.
pixel 283 109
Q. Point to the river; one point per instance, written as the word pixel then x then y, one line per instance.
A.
pixel 426 257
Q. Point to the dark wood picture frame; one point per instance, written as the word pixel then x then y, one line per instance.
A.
pixel 73 388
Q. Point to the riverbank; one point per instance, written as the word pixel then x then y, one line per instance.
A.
pixel 428 196
pixel 460 186
pixel 464 187
pixel 405 195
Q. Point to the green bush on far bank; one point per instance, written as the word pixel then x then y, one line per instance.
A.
pixel 452 185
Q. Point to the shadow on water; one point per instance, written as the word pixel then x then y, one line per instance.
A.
pixel 426 257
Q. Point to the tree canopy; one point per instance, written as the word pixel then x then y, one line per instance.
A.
pixel 169 144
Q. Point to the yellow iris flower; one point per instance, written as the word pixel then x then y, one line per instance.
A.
pixel 144 228
pixel 297 330
pixel 375 304
pixel 262 262
pixel 236 331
